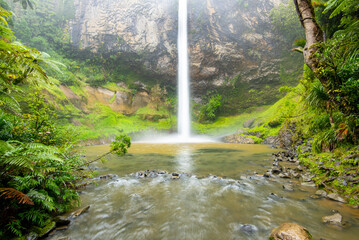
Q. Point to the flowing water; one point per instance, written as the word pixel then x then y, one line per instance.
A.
pixel 219 198
pixel 184 119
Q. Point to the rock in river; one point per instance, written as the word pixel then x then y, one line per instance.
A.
pixel 336 197
pixel 290 231
pixel 248 229
pixel 335 219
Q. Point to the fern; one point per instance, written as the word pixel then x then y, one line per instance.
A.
pixel 15 227
pixel 42 199
pixel 35 216
pixel 15 195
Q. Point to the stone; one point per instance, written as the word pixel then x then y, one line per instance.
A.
pixel 238 138
pixel 290 231
pixel 335 219
pixel 308 184
pixel 80 211
pixel 267 175
pixel 288 187
pixel 248 229
pixel 321 193
pixel 276 170
pixel 62 221
pixel 336 197
pixel 283 175
pixel 306 178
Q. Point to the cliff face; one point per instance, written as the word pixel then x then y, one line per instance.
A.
pixel 227 38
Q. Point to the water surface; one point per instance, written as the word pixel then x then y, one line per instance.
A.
pixel 217 198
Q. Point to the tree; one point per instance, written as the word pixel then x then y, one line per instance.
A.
pixel 335 62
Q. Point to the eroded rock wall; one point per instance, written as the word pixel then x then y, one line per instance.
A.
pixel 227 38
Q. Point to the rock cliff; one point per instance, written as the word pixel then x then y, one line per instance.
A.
pixel 228 39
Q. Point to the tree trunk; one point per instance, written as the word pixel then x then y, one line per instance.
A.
pixel 313 34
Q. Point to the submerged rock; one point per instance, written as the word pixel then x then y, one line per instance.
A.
pixel 248 229
pixel 290 231
pixel 335 219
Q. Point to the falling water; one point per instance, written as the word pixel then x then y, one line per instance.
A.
pixel 184 119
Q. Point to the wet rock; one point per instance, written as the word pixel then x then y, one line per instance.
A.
pixel 62 221
pixel 336 197
pixel 175 176
pixel 80 211
pixel 321 193
pixel 335 219
pixel 308 184
pixel 109 176
pixel 290 231
pixel 283 175
pixel 306 178
pixel 267 175
pixel 62 228
pixel 274 141
pixel 43 232
pixel 288 187
pixel 162 172
pixel 31 236
pixel 248 229
pixel 276 170
pixel 152 174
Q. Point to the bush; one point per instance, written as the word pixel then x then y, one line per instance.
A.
pixel 209 111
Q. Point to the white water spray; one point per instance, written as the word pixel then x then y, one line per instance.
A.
pixel 184 113
pixel 184 119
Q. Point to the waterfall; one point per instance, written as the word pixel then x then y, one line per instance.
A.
pixel 184 113
pixel 184 119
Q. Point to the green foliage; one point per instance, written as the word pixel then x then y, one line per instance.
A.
pixel 38 168
pixel 209 111
pixel 120 145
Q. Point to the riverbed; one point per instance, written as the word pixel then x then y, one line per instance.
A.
pixel 220 194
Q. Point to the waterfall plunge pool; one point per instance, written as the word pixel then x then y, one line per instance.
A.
pixel 199 205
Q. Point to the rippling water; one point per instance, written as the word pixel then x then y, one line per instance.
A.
pixel 231 203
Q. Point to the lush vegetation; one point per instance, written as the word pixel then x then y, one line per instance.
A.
pixel 321 114
pixel 40 167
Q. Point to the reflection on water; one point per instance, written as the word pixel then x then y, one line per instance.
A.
pixel 196 207
pixel 184 160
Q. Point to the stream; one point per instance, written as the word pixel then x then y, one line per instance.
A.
pixel 218 197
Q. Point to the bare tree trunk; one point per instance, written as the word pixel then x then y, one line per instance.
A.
pixel 313 33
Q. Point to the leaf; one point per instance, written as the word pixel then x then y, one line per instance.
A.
pixel 15 195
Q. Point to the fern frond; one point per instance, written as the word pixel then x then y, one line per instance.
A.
pixel 15 195
pixel 43 199
pixel 35 216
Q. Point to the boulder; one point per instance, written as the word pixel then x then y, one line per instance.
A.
pixel 290 231
pixel 288 187
pixel 335 219
pixel 321 193
pixel 336 197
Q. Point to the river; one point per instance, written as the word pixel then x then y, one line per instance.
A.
pixel 219 197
